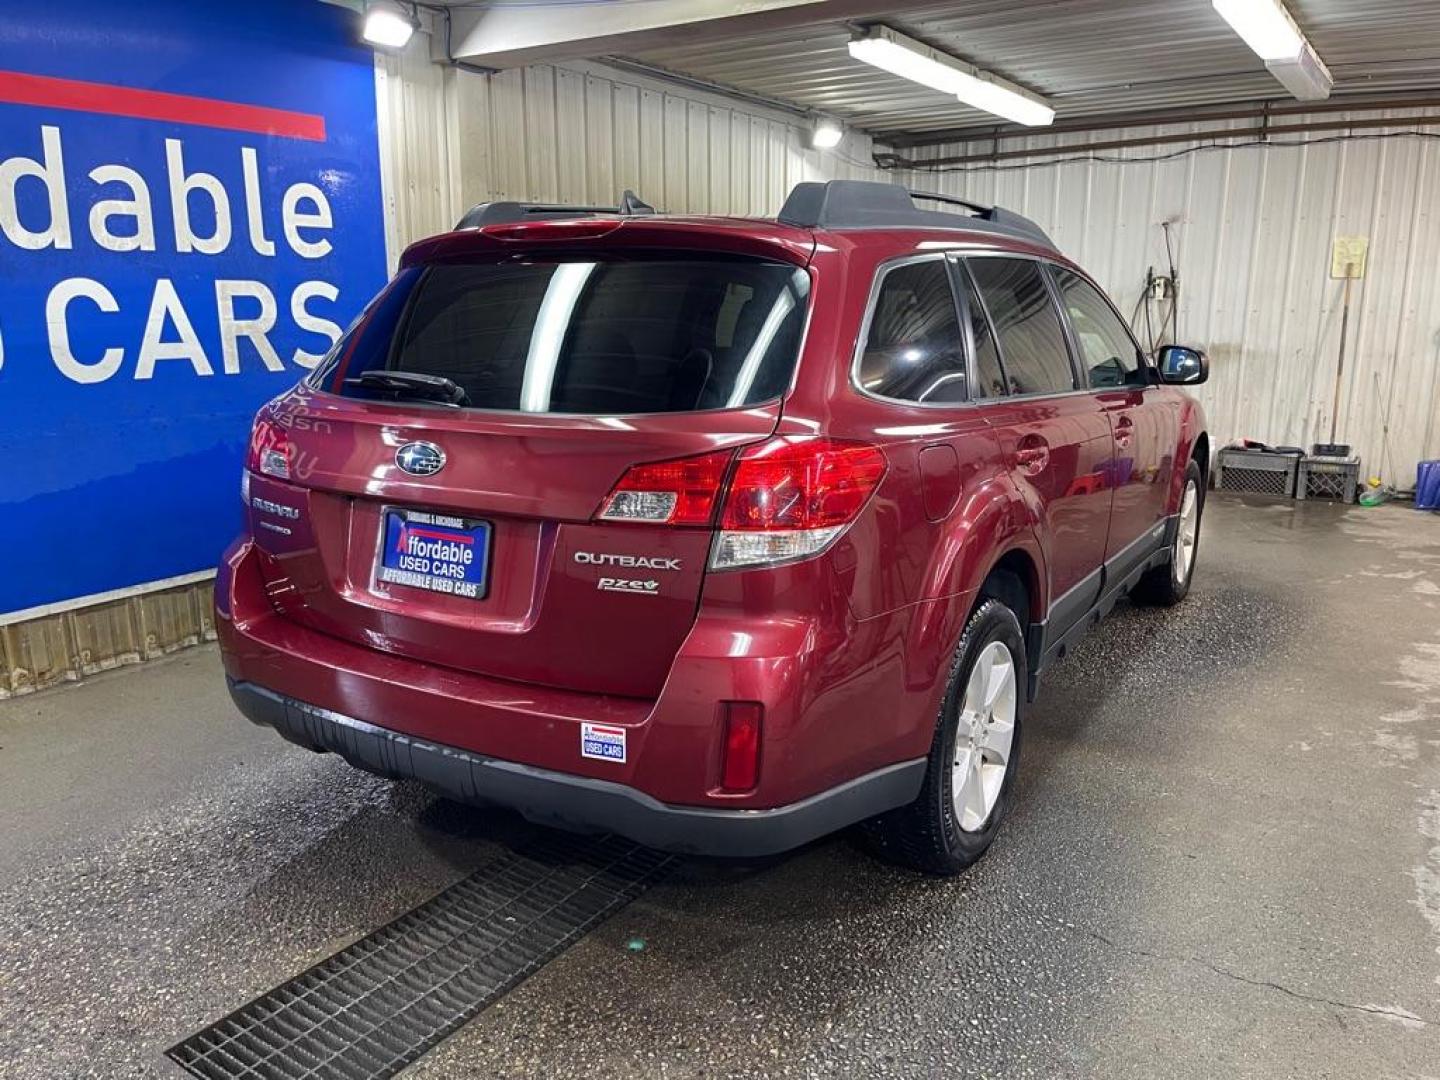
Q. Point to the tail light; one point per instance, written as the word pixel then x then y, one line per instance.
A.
pixel 681 492
pixel 786 498
pixel 789 498
pixel 270 450
pixel 740 766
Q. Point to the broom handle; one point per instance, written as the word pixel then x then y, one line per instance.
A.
pixel 1340 366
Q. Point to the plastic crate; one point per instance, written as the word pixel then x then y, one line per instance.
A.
pixel 1258 471
pixel 1328 478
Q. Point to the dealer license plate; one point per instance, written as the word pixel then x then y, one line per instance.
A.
pixel 436 552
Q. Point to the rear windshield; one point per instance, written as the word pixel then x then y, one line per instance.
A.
pixel 613 337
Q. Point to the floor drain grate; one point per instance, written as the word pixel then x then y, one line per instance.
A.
pixel 375 1007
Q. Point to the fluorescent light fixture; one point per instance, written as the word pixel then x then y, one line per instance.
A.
pixel 388 25
pixel 890 51
pixel 1272 35
pixel 826 135
pixel 880 49
pixel 1306 77
pixel 1265 25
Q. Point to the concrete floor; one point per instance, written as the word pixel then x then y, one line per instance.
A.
pixel 1224 861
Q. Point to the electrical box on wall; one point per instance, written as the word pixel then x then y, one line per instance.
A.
pixel 1347 256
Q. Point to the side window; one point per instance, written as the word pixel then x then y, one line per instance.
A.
pixel 990 379
pixel 914 350
pixel 1108 350
pixel 1032 344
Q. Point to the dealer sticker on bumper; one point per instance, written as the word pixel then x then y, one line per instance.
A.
pixel 602 742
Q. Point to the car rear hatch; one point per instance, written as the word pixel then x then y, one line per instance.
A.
pixel 434 490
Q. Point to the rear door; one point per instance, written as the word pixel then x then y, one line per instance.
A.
pixel 913 355
pixel 572 371
pixel 1055 438
pixel 1144 425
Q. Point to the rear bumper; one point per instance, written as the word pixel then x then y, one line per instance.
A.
pixel 576 802
pixel 848 719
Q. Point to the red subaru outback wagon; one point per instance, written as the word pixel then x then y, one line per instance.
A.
pixel 719 534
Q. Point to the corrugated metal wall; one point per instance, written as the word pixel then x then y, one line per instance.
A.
pixel 1254 227
pixel 580 133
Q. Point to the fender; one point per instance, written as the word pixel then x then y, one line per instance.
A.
pixel 1192 430
pixel 993 520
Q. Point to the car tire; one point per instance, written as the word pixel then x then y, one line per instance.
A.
pixel 973 757
pixel 1166 586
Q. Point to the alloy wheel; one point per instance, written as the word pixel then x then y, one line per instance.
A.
pixel 1186 534
pixel 984 736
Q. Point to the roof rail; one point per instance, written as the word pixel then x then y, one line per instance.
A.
pixel 508 213
pixel 868 204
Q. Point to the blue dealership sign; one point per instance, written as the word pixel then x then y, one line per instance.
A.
pixel 190 212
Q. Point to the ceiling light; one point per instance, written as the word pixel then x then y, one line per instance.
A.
pixel 879 50
pixel 388 25
pixel 914 60
pixel 826 135
pixel 1306 76
pixel 1272 35
pixel 1265 25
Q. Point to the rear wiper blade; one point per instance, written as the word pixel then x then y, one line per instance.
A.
pixel 413 384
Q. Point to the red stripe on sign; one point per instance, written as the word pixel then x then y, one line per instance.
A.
pixel 420 530
pixel 17 88
pixel 596 729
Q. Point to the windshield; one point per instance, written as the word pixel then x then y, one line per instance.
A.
pixel 603 337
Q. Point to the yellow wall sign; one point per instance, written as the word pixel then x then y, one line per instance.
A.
pixel 1349 251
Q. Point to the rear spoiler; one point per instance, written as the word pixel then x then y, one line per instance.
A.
pixel 509 213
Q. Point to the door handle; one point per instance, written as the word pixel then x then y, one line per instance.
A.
pixel 1032 455
pixel 1124 432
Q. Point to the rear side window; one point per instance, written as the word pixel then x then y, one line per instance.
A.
pixel 604 337
pixel 913 350
pixel 990 379
pixel 1110 355
pixel 1032 344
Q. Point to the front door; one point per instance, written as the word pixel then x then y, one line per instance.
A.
pixel 1144 422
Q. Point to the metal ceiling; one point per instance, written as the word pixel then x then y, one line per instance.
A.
pixel 1090 58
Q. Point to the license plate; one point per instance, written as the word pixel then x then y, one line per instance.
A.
pixel 436 552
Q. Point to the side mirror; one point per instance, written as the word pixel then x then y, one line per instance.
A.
pixel 1179 366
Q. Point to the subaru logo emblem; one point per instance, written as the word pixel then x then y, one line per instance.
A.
pixel 420 458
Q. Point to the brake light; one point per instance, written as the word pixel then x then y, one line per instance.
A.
pixel 806 483
pixel 583 229
pixel 787 498
pixel 270 450
pixel 740 766
pixel 680 492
